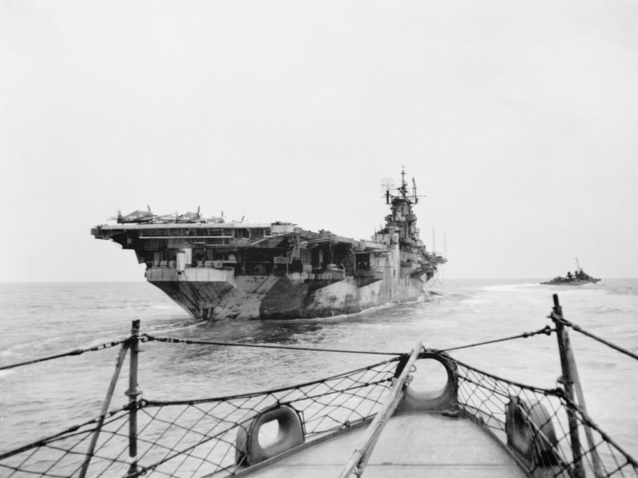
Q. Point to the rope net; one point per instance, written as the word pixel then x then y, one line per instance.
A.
pixel 545 446
pixel 548 434
pixel 198 437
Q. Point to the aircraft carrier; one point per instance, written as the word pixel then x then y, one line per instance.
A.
pixel 216 269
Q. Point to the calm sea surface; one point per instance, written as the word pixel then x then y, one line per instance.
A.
pixel 46 319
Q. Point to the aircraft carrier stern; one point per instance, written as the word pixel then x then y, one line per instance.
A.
pixel 216 269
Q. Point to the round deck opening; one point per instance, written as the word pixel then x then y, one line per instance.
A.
pixel 430 377
pixel 269 434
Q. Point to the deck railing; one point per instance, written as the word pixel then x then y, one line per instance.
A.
pixel 548 431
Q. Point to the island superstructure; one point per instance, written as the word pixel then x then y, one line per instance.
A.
pixel 216 269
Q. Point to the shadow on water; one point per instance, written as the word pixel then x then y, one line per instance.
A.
pixel 282 332
pixel 345 332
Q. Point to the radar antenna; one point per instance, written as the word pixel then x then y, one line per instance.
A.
pixel 387 185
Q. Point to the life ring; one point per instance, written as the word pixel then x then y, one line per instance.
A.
pixel 248 450
pixel 444 399
pixel 530 431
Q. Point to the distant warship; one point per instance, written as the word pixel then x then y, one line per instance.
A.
pixel 216 269
pixel 579 277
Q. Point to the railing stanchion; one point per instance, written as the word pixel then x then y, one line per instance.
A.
pixel 105 408
pixel 562 332
pixel 568 366
pixel 133 394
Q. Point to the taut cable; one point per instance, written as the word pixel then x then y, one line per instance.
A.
pixel 149 338
pixel 547 330
pixel 577 328
pixel 66 354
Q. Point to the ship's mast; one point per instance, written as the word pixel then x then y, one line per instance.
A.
pixel 403 189
pixel 410 198
pixel 433 242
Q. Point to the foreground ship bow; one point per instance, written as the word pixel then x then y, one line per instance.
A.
pixel 216 269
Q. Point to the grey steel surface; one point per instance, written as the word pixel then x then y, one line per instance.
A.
pixel 410 446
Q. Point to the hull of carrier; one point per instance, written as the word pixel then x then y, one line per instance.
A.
pixel 213 294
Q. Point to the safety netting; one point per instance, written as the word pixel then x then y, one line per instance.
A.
pixel 545 430
pixel 539 427
pixel 197 437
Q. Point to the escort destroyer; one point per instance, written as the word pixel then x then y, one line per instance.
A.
pixel 579 277
pixel 216 269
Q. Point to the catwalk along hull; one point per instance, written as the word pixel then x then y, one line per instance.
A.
pixel 216 269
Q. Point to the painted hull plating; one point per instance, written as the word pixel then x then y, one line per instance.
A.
pixel 210 294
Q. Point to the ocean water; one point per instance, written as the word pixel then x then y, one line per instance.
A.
pixel 46 319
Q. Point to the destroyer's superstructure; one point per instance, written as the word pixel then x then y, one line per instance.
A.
pixel 216 269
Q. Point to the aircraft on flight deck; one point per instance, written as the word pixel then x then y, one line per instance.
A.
pixel 141 216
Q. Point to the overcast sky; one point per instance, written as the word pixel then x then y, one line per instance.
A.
pixel 518 120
